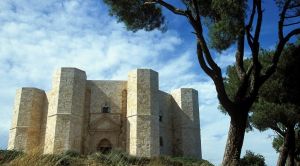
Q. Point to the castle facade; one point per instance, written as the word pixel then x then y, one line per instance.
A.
pixel 96 115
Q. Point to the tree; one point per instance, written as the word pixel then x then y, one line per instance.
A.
pixel 278 143
pixel 252 159
pixel 229 22
pixel 278 103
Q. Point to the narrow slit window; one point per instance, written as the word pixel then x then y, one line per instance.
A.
pixel 161 141
pixel 160 118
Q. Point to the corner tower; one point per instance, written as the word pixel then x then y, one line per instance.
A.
pixel 142 113
pixel 27 118
pixel 186 123
pixel 65 111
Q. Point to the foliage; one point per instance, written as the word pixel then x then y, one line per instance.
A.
pixel 114 158
pixel 279 98
pixel 277 143
pixel 226 23
pixel 252 159
pixel 135 15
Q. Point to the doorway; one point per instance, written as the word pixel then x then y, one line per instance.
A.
pixel 104 146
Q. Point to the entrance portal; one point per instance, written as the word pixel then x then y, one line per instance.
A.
pixel 104 146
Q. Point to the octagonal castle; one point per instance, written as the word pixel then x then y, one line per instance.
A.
pixel 96 115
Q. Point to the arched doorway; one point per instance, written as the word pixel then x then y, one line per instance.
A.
pixel 104 146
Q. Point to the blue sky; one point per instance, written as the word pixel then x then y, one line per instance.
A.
pixel 37 37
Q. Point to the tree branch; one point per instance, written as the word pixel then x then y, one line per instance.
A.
pixel 282 18
pixel 201 60
pixel 249 26
pixel 291 16
pixel 254 81
pixel 198 28
pixel 168 6
pixel 271 69
pixel 255 46
pixel 212 69
pixel 239 56
pixel 259 21
pixel 294 23
pixel 197 10
pixel 277 129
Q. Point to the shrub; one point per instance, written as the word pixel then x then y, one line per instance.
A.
pixel 252 159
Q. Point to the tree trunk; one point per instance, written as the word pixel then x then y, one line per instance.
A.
pixel 235 139
pixel 292 148
pixel 288 145
pixel 282 156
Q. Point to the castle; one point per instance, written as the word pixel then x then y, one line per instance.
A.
pixel 96 115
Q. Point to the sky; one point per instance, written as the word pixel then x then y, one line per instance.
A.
pixel 38 37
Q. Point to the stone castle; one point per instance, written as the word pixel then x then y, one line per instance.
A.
pixel 96 115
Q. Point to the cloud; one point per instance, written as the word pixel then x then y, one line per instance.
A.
pixel 37 37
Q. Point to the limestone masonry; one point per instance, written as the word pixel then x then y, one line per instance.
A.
pixel 95 115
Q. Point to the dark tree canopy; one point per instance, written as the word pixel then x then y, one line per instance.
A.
pixel 136 15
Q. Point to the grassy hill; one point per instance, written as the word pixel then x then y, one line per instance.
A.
pixel 115 158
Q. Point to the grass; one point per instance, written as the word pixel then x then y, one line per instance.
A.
pixel 69 158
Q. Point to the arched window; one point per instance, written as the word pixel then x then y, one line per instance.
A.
pixel 104 146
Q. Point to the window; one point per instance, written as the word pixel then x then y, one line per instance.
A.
pixel 160 118
pixel 105 108
pixel 161 142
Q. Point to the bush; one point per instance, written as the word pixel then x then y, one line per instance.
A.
pixel 252 159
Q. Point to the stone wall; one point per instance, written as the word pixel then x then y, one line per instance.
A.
pixel 142 113
pixel 165 123
pixel 106 92
pixel 25 132
pixel 99 125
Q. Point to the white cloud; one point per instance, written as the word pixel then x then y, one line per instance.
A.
pixel 226 58
pixel 36 37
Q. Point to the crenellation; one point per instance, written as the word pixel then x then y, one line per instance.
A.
pixel 99 115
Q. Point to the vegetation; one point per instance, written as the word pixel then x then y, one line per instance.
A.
pixel 252 159
pixel 228 22
pixel 115 158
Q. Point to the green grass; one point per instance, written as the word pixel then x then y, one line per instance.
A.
pixel 69 158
